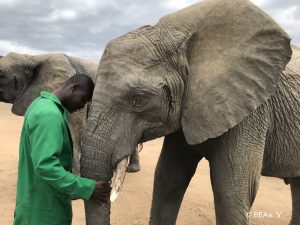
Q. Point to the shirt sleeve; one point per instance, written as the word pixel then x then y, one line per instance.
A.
pixel 46 143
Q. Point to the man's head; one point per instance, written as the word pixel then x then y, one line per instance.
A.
pixel 75 92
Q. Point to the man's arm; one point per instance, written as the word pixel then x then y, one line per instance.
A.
pixel 46 140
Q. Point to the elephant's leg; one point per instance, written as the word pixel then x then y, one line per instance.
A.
pixel 176 166
pixel 235 164
pixel 134 163
pixel 295 189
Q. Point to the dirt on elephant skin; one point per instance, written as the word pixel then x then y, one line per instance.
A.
pixel 272 205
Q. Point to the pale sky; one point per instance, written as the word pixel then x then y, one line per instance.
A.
pixel 82 28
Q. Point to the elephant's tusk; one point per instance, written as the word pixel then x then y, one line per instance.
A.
pixel 119 179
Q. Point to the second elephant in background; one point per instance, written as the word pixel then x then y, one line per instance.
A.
pixel 23 77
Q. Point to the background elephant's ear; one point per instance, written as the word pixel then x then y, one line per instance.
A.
pixel 235 59
pixel 25 98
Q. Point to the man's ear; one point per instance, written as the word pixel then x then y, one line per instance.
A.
pixel 73 87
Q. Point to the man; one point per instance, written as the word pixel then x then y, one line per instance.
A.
pixel 45 183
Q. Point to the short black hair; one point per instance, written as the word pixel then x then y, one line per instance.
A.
pixel 83 79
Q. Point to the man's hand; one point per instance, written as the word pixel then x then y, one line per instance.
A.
pixel 101 192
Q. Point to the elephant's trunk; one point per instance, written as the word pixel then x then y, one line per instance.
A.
pixel 96 214
pixel 100 214
pixel 104 148
pixel 95 164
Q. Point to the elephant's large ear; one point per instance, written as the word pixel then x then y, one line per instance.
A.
pixel 27 96
pixel 235 58
pixel 43 73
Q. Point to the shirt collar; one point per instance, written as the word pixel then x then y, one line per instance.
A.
pixel 51 96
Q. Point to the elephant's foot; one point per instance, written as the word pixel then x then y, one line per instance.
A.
pixel 134 163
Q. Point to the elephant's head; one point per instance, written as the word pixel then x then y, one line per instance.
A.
pixel 202 69
pixel 15 75
pixel 22 77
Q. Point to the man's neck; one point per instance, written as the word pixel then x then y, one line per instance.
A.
pixel 59 94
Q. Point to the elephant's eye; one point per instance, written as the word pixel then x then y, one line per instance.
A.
pixel 137 101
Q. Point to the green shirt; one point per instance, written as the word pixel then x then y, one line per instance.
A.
pixel 45 183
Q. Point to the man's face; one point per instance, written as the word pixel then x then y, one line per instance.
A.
pixel 77 99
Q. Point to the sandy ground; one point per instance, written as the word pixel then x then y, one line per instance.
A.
pixel 272 205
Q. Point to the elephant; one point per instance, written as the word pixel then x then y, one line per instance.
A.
pixel 23 76
pixel 218 81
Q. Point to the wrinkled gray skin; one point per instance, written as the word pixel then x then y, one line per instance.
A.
pixel 209 78
pixel 22 77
